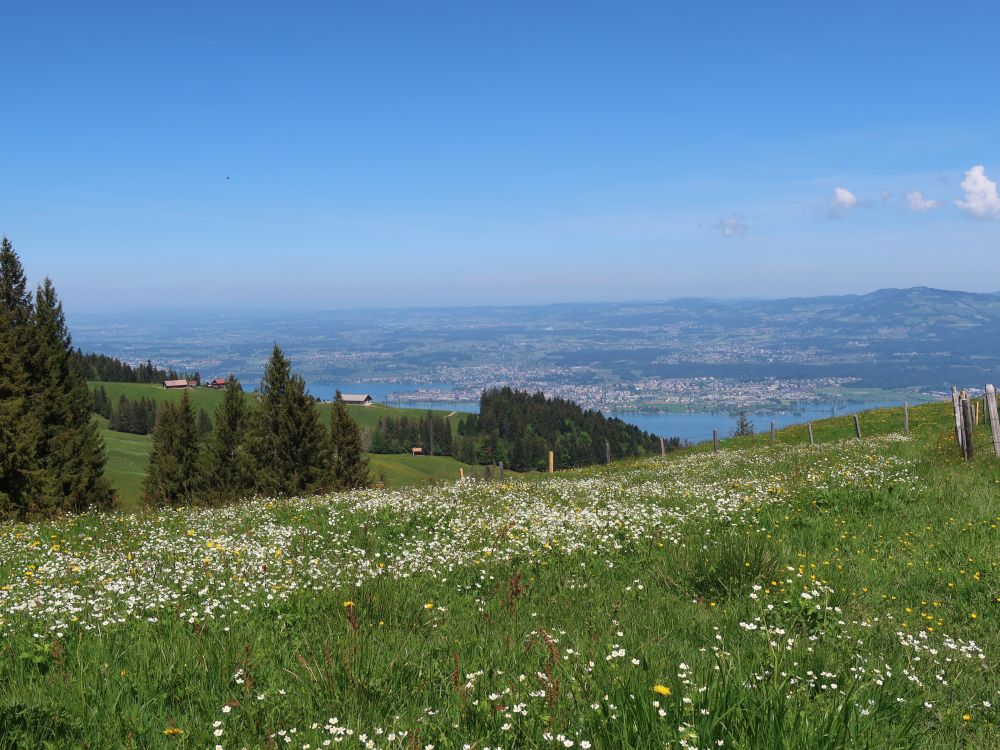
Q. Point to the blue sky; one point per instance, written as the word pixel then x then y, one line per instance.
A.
pixel 368 154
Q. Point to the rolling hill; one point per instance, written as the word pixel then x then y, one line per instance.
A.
pixel 128 455
pixel 811 597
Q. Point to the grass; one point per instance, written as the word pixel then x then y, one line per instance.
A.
pixel 128 455
pixel 842 595
pixel 209 399
pixel 403 470
pixel 128 459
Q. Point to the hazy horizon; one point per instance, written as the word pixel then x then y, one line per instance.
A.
pixel 291 310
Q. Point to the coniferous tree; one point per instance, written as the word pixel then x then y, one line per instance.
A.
pixel 69 451
pixel 228 467
pixel 121 416
pixel 519 428
pixel 204 422
pixel 102 402
pixel 149 412
pixel 173 477
pixel 350 466
pixel 16 441
pixel 135 417
pixel 290 444
pixel 51 454
pixel 744 427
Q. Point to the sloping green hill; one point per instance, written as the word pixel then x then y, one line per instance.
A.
pixel 842 595
pixel 128 459
pixel 209 399
pixel 402 471
pixel 128 455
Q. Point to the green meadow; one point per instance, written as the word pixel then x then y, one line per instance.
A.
pixel 128 455
pixel 209 399
pixel 842 595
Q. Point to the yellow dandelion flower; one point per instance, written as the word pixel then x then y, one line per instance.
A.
pixel 966 717
pixel 348 603
pixel 173 731
pixel 661 690
pixel 429 605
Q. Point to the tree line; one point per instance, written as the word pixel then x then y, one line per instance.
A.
pixel 113 370
pixel 136 416
pixel 520 428
pixel 431 433
pixel 51 453
pixel 277 447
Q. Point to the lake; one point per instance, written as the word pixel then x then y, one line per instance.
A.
pixel 695 427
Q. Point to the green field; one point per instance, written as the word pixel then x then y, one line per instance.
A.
pixel 208 399
pixel 128 455
pixel 402 471
pixel 843 595
pixel 128 458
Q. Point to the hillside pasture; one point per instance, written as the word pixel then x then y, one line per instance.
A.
pixel 128 459
pixel 209 399
pixel 403 471
pixel 843 595
pixel 128 455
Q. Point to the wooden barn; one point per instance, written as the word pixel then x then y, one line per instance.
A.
pixel 356 399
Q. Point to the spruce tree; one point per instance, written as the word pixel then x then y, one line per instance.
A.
pixel 290 443
pixel 228 467
pixel 69 450
pixel 16 441
pixel 102 402
pixel 173 477
pixel 350 465
pixel 204 422
pixel 744 427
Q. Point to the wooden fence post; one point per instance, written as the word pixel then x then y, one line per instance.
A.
pixel 810 426
pixel 959 432
pixel 715 440
pixel 552 462
pixel 772 432
pixel 663 448
pixel 607 452
pixel 906 418
pixel 461 475
pixel 857 427
pixel 501 471
pixel 991 413
pixel 967 423
pixel 977 413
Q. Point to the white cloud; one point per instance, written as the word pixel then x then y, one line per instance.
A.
pixel 981 199
pixel 843 200
pixel 886 195
pixel 916 201
pixel 732 226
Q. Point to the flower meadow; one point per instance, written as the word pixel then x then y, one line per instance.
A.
pixel 839 595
